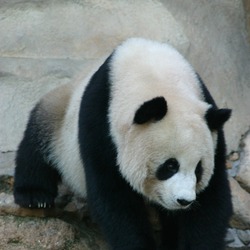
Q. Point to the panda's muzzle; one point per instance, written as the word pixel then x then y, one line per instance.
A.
pixel 184 202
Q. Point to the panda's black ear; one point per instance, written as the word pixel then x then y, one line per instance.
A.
pixel 152 110
pixel 217 117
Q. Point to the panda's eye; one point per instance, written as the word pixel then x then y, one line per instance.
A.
pixel 167 169
pixel 198 172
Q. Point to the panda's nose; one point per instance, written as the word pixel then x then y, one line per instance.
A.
pixel 184 202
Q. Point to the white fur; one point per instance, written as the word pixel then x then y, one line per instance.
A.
pixel 66 152
pixel 64 145
pixel 142 70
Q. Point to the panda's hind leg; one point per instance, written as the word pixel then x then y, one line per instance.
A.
pixel 35 180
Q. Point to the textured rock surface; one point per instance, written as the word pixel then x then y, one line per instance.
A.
pixel 47 43
pixel 241 205
pixel 68 227
pixel 247 10
pixel 243 176
pixel 23 82
pixel 24 233
pixel 81 28
pixel 237 239
pixel 7 163
pixel 31 234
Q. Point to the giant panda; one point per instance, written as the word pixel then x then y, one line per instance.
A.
pixel 142 130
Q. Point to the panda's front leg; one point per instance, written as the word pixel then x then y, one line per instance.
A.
pixel 119 211
pixel 203 227
pixel 169 231
pixel 35 184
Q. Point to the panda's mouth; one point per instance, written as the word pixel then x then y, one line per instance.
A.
pixel 174 205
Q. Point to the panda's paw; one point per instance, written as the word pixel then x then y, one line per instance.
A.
pixel 33 198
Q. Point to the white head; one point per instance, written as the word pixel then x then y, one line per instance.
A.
pixel 157 118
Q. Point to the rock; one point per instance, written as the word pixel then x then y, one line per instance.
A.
pixel 55 234
pixel 243 176
pixel 7 164
pixel 230 236
pixel 232 163
pixel 241 205
pixel 8 207
pixel 237 248
pixel 35 233
pixel 40 50
pixel 229 165
pixel 234 167
pixel 57 228
pixel 247 11
pixel 6 183
pixel 23 82
pixel 232 239
pixel 45 228
pixel 244 236
pixel 44 44
pixel 234 156
pixel 78 29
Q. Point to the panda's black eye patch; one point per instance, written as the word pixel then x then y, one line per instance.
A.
pixel 198 172
pixel 167 169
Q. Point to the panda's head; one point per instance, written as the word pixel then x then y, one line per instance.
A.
pixel 164 131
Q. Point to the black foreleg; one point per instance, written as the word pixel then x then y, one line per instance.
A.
pixel 35 184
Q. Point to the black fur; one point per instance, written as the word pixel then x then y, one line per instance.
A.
pixel 152 110
pixel 118 209
pixel 35 179
pixel 167 169
pixel 198 171
pixel 217 117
